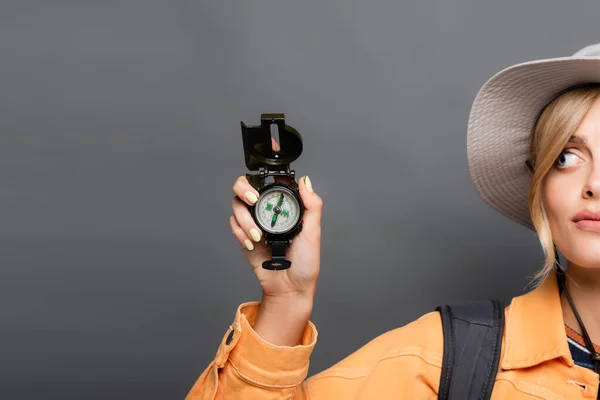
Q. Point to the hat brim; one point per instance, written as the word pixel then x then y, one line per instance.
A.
pixel 501 123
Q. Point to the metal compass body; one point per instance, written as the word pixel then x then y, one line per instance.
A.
pixel 279 209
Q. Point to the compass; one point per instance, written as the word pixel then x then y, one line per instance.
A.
pixel 279 209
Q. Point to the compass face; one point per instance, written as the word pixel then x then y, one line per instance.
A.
pixel 277 210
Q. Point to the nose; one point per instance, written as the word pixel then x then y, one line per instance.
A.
pixel 591 189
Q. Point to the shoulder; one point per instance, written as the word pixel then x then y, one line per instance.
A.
pixel 422 338
pixel 404 362
pixel 418 342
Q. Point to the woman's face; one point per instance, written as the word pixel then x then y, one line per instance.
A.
pixel 572 186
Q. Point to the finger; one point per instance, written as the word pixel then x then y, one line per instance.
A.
pixel 244 219
pixel 244 190
pixel 313 204
pixel 240 235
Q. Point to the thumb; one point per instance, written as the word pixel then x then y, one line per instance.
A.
pixel 313 204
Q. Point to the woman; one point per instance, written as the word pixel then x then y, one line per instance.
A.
pixel 534 155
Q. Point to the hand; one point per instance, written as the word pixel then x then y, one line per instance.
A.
pixel 299 281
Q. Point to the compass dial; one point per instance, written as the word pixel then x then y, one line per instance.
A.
pixel 277 210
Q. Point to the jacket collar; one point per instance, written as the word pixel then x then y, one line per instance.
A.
pixel 534 328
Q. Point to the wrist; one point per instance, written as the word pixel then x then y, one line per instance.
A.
pixel 282 321
pixel 296 304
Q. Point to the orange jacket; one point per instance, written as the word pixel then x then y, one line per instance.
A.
pixel 403 363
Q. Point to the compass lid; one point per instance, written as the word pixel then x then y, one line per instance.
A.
pixel 258 149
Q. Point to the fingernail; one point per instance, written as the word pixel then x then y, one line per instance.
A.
pixel 251 197
pixel 308 183
pixel 249 244
pixel 255 234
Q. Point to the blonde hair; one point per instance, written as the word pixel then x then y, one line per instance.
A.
pixel 556 124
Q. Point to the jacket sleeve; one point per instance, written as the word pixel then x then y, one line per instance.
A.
pixel 248 368
pixel 401 363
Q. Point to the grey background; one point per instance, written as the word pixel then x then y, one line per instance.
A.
pixel 120 142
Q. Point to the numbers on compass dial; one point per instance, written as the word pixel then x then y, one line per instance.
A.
pixel 277 210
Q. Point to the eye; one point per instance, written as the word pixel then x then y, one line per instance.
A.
pixel 564 158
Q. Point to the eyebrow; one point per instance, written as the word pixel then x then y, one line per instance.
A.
pixel 578 139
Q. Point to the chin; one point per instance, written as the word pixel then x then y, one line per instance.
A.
pixel 581 248
pixel 585 254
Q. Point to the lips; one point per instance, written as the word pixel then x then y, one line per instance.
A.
pixel 587 220
pixel 586 215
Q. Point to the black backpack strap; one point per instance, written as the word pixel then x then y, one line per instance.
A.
pixel 472 342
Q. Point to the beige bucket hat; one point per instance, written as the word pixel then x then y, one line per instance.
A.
pixel 502 118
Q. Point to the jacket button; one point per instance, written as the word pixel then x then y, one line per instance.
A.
pixel 229 338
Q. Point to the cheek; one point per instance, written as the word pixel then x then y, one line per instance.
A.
pixel 555 200
pixel 559 196
pixel 560 200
